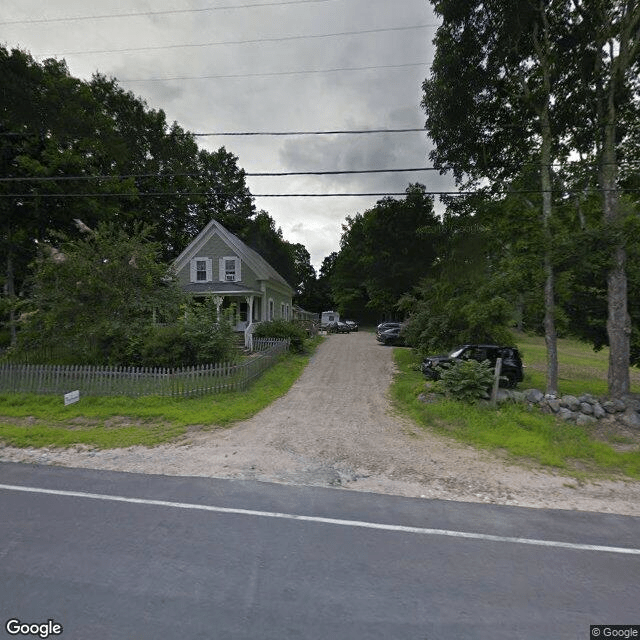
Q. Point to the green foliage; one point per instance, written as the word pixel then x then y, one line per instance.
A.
pixel 530 435
pixel 94 299
pixel 198 337
pixel 121 422
pixel 292 330
pixel 384 252
pixel 468 380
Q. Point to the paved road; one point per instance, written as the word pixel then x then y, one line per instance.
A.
pixel 118 555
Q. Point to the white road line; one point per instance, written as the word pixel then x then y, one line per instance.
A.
pixel 333 521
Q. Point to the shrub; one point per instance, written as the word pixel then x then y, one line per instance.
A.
pixel 468 380
pixel 283 329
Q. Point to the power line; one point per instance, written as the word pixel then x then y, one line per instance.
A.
pixel 276 73
pixel 197 175
pixel 25 134
pixel 305 133
pixel 162 13
pixel 239 42
pixel 306 195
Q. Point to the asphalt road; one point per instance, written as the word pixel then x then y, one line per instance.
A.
pixel 126 556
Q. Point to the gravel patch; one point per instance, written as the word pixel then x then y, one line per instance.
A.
pixel 335 427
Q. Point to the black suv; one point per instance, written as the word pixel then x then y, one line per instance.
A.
pixel 432 366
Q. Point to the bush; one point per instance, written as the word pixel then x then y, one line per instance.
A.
pixel 468 380
pixel 284 329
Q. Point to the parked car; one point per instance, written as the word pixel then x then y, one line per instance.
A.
pixel 352 325
pixel 432 366
pixel 386 325
pixel 337 327
pixel 391 336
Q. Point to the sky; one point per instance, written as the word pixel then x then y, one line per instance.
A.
pixel 217 66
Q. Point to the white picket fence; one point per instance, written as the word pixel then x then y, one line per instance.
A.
pixel 142 381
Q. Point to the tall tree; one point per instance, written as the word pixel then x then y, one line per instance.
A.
pixel 384 252
pixel 606 36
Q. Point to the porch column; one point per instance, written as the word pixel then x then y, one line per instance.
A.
pixel 217 300
pixel 249 301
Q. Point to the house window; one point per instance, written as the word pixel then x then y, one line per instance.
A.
pixel 282 310
pixel 230 270
pixel 201 270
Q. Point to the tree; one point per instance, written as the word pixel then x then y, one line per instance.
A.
pixel 607 37
pixel 497 62
pixel 384 253
pixel 93 299
pixel 544 78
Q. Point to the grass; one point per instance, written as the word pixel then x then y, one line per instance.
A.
pixel 112 422
pixel 525 435
pixel 580 368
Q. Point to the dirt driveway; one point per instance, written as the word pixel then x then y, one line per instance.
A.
pixel 335 427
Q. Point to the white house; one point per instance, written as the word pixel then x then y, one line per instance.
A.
pixel 219 265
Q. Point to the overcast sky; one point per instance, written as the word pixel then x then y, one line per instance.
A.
pixel 175 61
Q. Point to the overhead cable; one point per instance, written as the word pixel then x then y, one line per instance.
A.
pixel 138 14
pixel 306 133
pixel 237 42
pixel 309 195
pixel 199 175
pixel 275 73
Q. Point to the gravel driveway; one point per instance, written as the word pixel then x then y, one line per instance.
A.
pixel 335 427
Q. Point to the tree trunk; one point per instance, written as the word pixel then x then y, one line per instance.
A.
pixel 550 337
pixel 618 321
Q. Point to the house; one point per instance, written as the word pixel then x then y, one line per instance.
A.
pixel 217 264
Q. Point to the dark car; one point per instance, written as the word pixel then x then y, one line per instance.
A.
pixel 391 336
pixel 337 327
pixel 352 324
pixel 432 366
pixel 384 326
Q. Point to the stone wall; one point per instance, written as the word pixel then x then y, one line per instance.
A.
pixel 584 409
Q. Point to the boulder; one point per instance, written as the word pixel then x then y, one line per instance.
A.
pixel 586 408
pixel 630 418
pixel 570 402
pixel 553 404
pixel 598 411
pixel 533 395
pixel 584 419
pixel 566 414
pixel 614 406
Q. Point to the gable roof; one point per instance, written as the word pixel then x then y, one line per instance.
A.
pixel 262 269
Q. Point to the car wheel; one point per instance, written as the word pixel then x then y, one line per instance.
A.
pixel 510 381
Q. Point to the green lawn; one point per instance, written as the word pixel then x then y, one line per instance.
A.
pixel 580 368
pixel 107 422
pixel 527 435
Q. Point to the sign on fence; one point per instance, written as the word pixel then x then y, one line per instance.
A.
pixel 70 398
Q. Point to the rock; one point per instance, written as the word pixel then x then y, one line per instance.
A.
pixel 586 408
pixel 553 404
pixel 587 397
pixel 630 418
pixel 598 411
pixel 614 406
pixel 570 402
pixel 584 419
pixel 533 395
pixel 632 403
pixel 566 414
